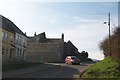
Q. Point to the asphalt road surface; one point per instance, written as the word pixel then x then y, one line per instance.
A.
pixel 60 70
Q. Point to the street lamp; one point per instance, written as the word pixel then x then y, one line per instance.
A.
pixel 109 44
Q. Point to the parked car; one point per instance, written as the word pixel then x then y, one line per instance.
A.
pixel 72 60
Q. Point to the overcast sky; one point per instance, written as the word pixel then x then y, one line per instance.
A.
pixel 81 22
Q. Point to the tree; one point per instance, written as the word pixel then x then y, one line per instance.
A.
pixel 114 44
pixel 85 54
pixel 104 46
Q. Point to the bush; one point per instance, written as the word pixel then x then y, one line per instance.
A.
pixel 114 43
pixel 107 68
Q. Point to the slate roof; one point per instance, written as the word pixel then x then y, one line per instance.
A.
pixel 69 42
pixel 11 26
pixel 48 40
pixel 6 26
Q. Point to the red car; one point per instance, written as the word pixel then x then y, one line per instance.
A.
pixel 72 60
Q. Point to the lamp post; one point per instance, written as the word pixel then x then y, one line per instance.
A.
pixel 109 42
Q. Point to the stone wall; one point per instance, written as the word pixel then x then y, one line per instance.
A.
pixel 46 52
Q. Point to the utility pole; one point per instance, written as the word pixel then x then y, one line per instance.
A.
pixel 109 41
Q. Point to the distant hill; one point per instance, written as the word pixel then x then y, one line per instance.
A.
pixel 96 60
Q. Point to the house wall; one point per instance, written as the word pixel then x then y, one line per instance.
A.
pixel 20 44
pixel 7 56
pixel 46 52
pixel 70 49
pixel 0 42
pixel 0 50
pixel 14 48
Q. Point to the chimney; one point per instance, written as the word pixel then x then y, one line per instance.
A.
pixel 25 33
pixel 35 34
pixel 62 37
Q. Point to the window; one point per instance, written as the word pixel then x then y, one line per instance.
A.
pixel 6 37
pixel 16 38
pixel 11 38
pixel 23 42
pixel 20 40
pixel 2 51
pixel 3 35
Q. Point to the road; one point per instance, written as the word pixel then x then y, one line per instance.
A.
pixel 60 70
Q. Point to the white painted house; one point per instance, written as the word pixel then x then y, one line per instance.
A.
pixel 20 44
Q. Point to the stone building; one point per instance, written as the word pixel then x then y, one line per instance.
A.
pixel 45 49
pixel 7 41
pixel 70 49
pixel 13 41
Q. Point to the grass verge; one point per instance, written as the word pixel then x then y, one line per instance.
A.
pixel 8 67
pixel 107 68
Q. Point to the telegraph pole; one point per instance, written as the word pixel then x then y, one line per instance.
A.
pixel 109 41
